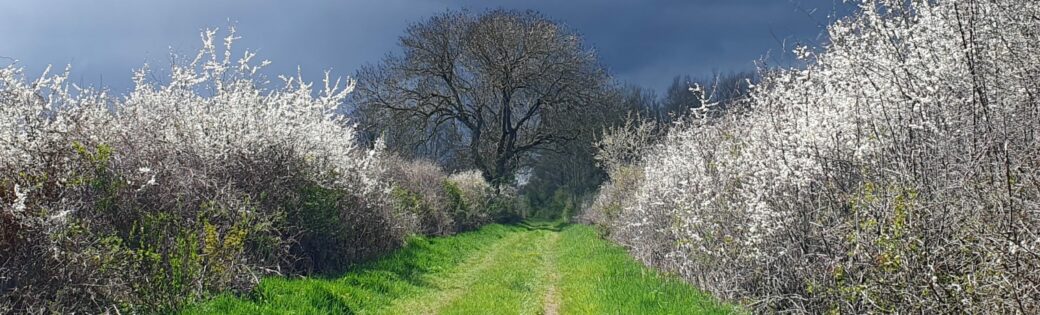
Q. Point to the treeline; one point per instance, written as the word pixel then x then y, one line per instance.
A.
pixel 896 173
pixel 202 182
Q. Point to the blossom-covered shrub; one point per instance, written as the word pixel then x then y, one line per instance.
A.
pixel 896 172
pixel 438 204
pixel 202 182
pixel 419 194
pixel 471 198
pixel 620 153
pixel 606 210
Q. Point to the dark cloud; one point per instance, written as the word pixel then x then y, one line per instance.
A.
pixel 642 42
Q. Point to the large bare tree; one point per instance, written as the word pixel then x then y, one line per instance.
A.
pixel 494 89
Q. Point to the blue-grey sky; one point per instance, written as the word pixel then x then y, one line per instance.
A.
pixel 640 42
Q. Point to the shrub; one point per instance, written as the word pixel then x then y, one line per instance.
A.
pixel 620 153
pixel 418 190
pixel 179 189
pixel 471 197
pixel 607 209
pixel 438 204
pixel 506 206
pixel 894 173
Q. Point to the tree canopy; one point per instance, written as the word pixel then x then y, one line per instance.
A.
pixel 487 90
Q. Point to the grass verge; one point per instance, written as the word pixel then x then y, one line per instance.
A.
pixel 599 277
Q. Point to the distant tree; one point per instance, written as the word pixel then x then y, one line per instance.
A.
pixel 724 90
pixel 489 89
pixel 636 99
pixel 732 87
pixel 677 98
pixel 569 171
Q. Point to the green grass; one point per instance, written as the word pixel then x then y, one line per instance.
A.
pixel 531 268
pixel 600 278
pixel 368 287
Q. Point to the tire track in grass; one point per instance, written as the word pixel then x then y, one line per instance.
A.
pixel 552 293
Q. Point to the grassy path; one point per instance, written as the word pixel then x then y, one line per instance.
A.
pixel 528 269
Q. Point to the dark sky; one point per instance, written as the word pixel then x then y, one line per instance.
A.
pixel 641 42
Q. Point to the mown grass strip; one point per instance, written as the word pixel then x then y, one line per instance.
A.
pixel 515 284
pixel 508 280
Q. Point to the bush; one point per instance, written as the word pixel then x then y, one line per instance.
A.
pixel 606 211
pixel 418 191
pixel 620 153
pixel 336 229
pixel 895 173
pixel 508 207
pixel 439 204
pixel 471 197
pixel 179 190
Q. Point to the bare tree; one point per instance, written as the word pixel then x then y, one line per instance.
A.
pixel 725 89
pixel 496 87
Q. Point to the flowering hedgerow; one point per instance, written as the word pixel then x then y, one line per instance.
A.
pixel 199 182
pixel 897 172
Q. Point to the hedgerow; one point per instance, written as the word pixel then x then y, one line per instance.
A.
pixel 203 181
pixel 895 172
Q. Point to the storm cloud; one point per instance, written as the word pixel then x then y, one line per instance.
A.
pixel 641 42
